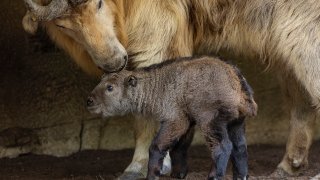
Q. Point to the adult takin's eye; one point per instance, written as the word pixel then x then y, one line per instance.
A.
pixel 109 88
pixel 63 23
pixel 60 26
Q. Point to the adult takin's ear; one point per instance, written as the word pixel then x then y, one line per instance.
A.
pixel 132 81
pixel 30 23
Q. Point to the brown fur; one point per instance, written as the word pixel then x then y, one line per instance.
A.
pixel 283 34
pixel 204 90
pixel 188 83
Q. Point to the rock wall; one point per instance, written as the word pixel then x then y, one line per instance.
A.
pixel 42 100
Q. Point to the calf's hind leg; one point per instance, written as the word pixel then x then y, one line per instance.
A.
pixel 169 134
pixel 178 154
pixel 239 154
pixel 216 135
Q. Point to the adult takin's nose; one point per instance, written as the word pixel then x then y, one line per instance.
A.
pixel 90 101
pixel 116 64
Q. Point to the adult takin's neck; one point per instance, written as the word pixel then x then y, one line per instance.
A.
pixel 118 9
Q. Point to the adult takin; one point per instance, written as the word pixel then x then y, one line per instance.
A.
pixel 204 91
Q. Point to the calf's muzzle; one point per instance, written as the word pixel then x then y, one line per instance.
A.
pixel 90 101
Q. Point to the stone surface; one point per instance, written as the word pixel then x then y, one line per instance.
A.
pixel 42 97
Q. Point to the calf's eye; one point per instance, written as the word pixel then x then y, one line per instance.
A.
pixel 109 88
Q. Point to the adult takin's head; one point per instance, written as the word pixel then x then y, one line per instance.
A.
pixel 111 96
pixel 88 22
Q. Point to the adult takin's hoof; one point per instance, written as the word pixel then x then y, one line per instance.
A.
pixel 131 176
pixel 298 164
pixel 290 168
pixel 280 173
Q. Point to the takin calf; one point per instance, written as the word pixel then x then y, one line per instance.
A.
pixel 204 91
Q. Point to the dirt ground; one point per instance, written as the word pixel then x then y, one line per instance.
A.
pixel 102 165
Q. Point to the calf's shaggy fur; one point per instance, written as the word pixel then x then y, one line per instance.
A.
pixel 203 91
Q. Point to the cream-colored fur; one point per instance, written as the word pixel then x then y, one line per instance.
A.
pixel 282 34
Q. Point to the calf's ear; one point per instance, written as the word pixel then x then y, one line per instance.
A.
pixel 131 81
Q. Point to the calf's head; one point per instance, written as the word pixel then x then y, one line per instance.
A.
pixel 90 23
pixel 111 96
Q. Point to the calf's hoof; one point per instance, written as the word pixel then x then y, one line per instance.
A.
pixel 166 167
pixel 153 178
pixel 179 171
pixel 240 177
pixel 179 175
pixel 215 178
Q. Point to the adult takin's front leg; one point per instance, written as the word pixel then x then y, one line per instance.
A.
pixel 296 45
pixel 169 134
pixel 179 153
pixel 239 154
pixel 144 130
pixel 303 115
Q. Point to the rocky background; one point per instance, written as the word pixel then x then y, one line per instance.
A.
pixel 43 93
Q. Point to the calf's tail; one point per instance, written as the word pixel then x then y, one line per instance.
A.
pixel 248 107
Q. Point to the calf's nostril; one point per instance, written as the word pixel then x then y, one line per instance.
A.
pixel 90 102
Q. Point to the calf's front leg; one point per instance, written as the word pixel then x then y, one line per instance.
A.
pixel 179 154
pixel 169 134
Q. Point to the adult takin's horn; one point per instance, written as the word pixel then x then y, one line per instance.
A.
pixel 46 13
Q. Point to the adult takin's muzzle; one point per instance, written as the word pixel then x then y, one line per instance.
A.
pixel 117 64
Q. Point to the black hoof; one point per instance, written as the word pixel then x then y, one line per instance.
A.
pixel 240 177
pixel 215 178
pixel 179 175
